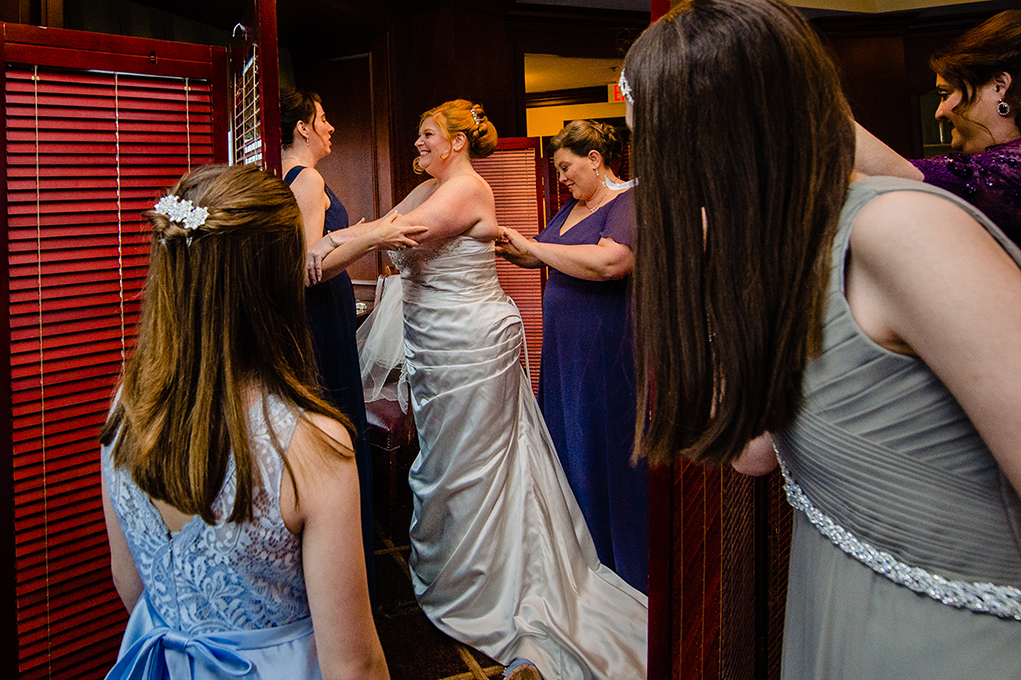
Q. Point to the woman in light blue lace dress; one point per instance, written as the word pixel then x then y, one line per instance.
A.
pixel 230 488
pixel 870 324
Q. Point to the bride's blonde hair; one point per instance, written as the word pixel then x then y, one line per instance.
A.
pixel 460 116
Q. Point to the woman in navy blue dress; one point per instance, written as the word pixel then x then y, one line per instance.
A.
pixel 329 297
pixel 587 380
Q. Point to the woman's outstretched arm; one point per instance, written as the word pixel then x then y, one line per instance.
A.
pixel 339 249
pixel 602 261
pixel 461 205
pixel 873 157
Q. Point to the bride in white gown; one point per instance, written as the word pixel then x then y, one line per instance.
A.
pixel 501 557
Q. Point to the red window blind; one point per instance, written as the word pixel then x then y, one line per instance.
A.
pixel 87 152
pixel 514 171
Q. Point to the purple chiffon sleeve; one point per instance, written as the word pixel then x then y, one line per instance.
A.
pixel 620 220
pixel 991 181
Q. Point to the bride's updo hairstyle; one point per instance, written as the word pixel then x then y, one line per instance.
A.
pixel 582 136
pixel 223 312
pixel 737 110
pixel 462 116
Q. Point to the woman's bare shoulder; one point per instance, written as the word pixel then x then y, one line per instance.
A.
pixel 897 224
pixel 308 179
pixel 417 196
pixel 471 189
pixel 317 438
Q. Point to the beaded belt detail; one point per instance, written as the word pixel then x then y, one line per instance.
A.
pixel 985 598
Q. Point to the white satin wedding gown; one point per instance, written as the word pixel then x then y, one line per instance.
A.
pixel 501 557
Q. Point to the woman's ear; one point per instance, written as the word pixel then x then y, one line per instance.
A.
pixel 1002 80
pixel 459 141
pixel 595 158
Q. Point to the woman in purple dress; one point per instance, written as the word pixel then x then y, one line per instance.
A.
pixel 977 78
pixel 587 380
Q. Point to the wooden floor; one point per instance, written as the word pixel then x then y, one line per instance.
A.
pixel 414 648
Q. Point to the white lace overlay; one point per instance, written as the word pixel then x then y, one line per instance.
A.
pixel 404 260
pixel 226 576
pixel 985 598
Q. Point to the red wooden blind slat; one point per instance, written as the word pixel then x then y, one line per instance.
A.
pixel 87 153
pixel 512 172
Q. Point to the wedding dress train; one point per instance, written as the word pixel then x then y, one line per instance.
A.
pixel 501 557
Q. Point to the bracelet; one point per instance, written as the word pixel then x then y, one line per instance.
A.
pixel 332 242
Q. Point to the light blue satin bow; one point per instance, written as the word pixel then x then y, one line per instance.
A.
pixel 166 654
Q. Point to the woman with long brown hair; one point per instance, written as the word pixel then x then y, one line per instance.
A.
pixel 869 324
pixel 229 486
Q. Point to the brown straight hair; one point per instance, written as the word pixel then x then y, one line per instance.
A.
pixel 738 117
pixel 223 315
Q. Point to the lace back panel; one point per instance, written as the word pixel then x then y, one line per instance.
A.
pixel 208 578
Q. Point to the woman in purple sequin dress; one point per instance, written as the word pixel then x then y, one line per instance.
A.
pixel 977 78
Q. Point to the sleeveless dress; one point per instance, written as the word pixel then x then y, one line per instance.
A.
pixel 587 393
pixel 219 599
pixel 906 552
pixel 332 321
pixel 501 557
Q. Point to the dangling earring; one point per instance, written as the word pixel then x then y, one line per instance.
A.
pixel 307 142
pixel 1003 108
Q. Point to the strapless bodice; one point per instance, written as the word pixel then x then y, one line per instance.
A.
pixel 460 270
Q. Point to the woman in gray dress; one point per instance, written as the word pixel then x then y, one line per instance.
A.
pixel 870 324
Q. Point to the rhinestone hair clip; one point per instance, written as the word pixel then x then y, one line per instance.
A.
pixel 475 117
pixel 190 216
pixel 625 88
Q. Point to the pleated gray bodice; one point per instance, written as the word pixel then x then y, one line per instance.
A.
pixel 884 451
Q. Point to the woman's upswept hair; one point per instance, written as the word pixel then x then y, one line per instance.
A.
pixel 455 117
pixel 222 316
pixel 296 105
pixel 976 57
pixel 582 136
pixel 738 112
